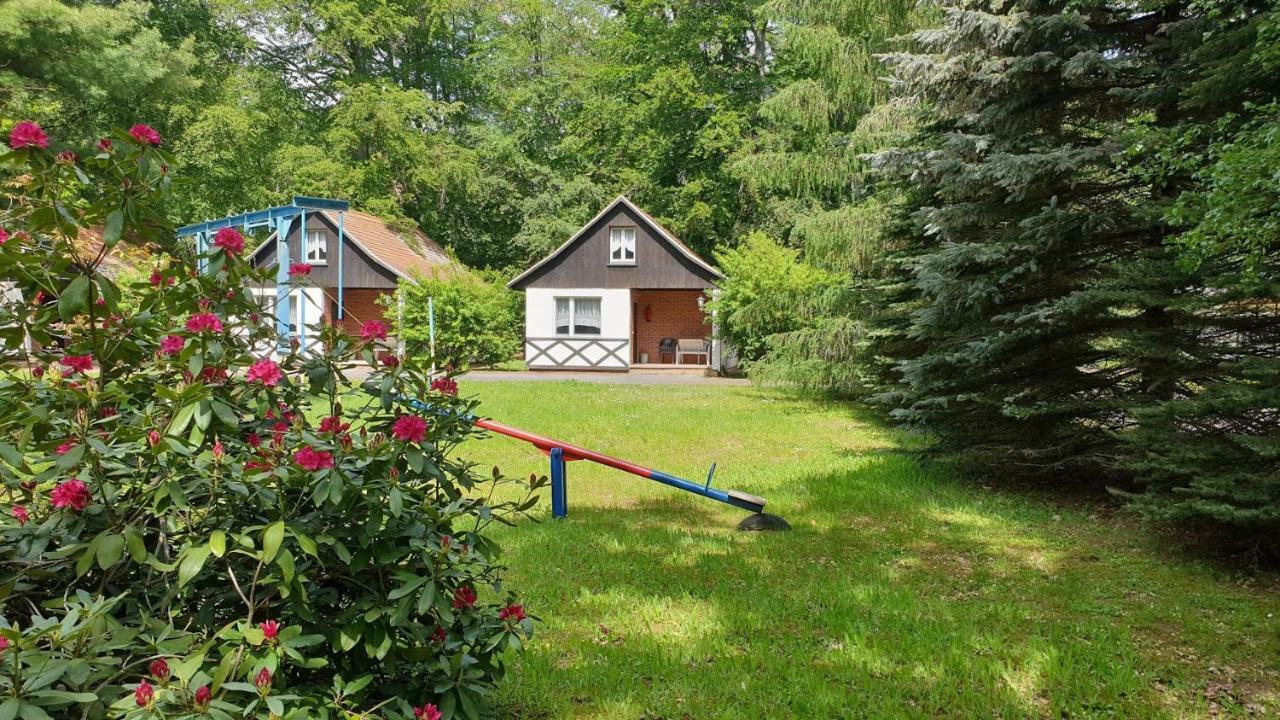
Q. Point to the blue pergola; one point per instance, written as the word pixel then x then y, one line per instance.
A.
pixel 277 220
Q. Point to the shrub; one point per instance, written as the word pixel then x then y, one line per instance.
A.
pixel 195 527
pixel 765 288
pixel 478 320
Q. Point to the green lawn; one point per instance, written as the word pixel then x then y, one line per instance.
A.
pixel 901 592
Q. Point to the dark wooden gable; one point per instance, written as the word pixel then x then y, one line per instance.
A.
pixel 358 269
pixel 584 263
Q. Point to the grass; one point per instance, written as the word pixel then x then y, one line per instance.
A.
pixel 900 593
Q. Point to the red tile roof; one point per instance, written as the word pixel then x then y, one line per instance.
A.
pixel 406 253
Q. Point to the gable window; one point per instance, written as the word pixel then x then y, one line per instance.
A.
pixel 622 246
pixel 577 316
pixel 317 247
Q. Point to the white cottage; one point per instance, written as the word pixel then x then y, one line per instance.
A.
pixel 622 293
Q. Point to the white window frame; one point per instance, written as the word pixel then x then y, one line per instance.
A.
pixel 622 246
pixel 307 246
pixel 573 314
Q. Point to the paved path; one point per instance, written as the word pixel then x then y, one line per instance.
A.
pixel 615 378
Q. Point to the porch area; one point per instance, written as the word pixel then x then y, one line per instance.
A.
pixel 669 331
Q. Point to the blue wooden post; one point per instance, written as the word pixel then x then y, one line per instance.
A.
pixel 559 496
pixel 342 309
pixel 282 283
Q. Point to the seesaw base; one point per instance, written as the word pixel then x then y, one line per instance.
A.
pixel 763 522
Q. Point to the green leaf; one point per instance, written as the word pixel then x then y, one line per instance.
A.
pixel 187 669
pixel 12 456
pixel 9 710
pixel 74 299
pixel 192 563
pixel 71 458
pixel 133 541
pixel 113 227
pixel 182 418
pixel 32 712
pixel 285 561
pixel 110 550
pixel 218 543
pixel 271 539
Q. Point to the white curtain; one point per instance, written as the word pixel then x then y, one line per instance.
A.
pixel 562 316
pixel 586 316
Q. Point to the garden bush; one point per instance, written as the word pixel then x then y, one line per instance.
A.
pixel 198 526
pixel 478 320
pixel 765 290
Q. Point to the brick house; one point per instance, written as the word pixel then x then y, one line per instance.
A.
pixel 356 259
pixel 622 293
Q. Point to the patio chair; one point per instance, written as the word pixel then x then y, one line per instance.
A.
pixel 666 346
pixel 693 346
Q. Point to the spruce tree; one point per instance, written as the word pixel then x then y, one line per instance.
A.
pixel 1034 301
pixel 1212 450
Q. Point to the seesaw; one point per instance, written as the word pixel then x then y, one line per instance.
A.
pixel 562 452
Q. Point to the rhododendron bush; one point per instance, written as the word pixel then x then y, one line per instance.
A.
pixel 195 525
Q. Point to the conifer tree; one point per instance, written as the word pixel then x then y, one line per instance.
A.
pixel 1036 302
pixel 1213 449
pixel 808 173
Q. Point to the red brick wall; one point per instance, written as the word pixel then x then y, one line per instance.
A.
pixel 361 305
pixel 672 314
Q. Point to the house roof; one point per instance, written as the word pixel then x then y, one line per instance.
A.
pixel 404 254
pixel 658 231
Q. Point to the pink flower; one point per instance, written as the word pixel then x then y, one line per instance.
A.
pixel 172 345
pixel 218 451
pixel 203 697
pixel 4 643
pixel 409 428
pixel 438 636
pixel 333 424
pixel 514 613
pixel 65 447
pixel 373 330
pixel 299 270
pixel 263 680
pixel 144 695
pixel 27 134
pixel 253 440
pixel 72 494
pixel 427 712
pixel 388 359
pixel 265 371
pixel 270 630
pixel 4 236
pixel 105 145
pixel 66 157
pixel 312 460
pixel 445 386
pixel 204 322
pixel 20 514
pixel 145 135
pixel 153 437
pixel 230 240
pixel 464 597
pixel 159 669
pixel 77 363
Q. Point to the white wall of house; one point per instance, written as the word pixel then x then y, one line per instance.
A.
pixel 546 348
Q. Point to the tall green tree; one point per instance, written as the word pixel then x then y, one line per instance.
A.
pixel 1212 450
pixel 83 68
pixel 809 181
pixel 1036 300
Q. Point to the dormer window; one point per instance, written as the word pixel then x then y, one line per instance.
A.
pixel 317 247
pixel 622 246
